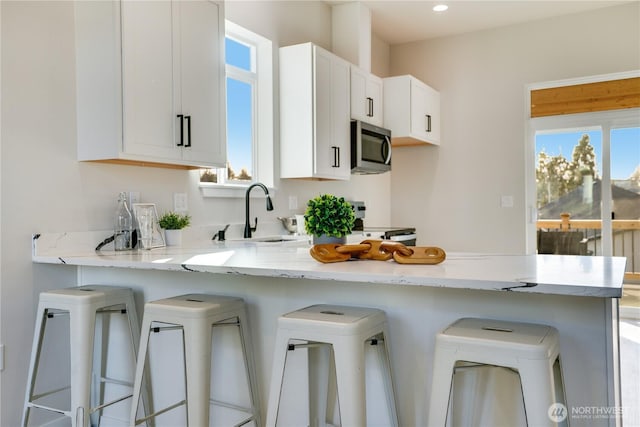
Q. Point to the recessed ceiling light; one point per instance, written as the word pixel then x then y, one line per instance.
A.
pixel 440 8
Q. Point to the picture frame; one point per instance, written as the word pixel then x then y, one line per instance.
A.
pixel 156 237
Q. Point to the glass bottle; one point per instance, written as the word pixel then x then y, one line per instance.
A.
pixel 123 225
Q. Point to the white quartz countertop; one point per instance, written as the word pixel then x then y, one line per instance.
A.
pixel 546 274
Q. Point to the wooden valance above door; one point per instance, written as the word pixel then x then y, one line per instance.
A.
pixel 584 98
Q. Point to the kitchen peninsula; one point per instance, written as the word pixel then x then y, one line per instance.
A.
pixel 577 295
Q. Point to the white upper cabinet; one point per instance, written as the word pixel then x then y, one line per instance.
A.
pixel 411 111
pixel 366 97
pixel 151 82
pixel 314 114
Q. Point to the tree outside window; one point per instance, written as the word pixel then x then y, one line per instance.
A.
pixel 556 176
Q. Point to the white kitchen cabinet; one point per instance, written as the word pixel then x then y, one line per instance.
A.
pixel 314 114
pixel 150 82
pixel 411 111
pixel 366 97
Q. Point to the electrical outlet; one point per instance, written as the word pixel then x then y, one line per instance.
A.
pixel 506 201
pixel 293 203
pixel 134 197
pixel 180 202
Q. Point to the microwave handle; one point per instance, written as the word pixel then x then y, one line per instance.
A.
pixel 386 150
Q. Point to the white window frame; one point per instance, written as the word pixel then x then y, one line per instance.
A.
pixel 262 145
pixel 604 121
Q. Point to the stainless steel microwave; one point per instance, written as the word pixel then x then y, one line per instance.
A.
pixel 370 148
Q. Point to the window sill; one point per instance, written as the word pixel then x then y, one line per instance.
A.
pixel 228 190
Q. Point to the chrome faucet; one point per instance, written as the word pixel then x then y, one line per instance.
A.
pixel 247 225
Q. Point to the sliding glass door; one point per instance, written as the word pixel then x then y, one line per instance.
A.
pixel 584 184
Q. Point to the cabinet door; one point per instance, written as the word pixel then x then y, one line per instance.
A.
pixel 433 111
pixel 147 80
pixel 366 97
pixel 325 150
pixel 374 93
pixel 341 121
pixel 425 113
pixel 331 93
pixel 360 105
pixel 419 114
pixel 199 76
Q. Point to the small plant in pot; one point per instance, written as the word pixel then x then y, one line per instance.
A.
pixel 173 223
pixel 329 219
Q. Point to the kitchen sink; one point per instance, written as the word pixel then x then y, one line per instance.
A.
pixel 273 239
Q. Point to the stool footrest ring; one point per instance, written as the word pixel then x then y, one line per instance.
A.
pixel 292 347
pixel 160 412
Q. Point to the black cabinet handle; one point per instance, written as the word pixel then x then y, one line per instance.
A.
pixel 370 107
pixel 188 119
pixel 428 116
pixel 181 143
pixel 336 156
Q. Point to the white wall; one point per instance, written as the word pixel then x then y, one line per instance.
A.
pixel 452 193
pixel 481 78
pixel 380 59
pixel 45 189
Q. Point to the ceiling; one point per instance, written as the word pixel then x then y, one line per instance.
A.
pixel 401 21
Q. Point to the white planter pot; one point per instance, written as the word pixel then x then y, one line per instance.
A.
pixel 173 237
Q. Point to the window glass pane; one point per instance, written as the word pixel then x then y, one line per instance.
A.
pixel 625 173
pixel 568 174
pixel 209 175
pixel 237 54
pixel 239 130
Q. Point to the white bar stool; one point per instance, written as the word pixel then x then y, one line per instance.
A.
pixel 195 315
pixel 530 349
pixel 81 305
pixel 345 330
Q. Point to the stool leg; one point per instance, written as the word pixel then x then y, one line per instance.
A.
pixel 250 368
pixel 197 343
pixel 141 372
pixel 443 363
pixel 38 336
pixel 82 326
pixel 385 363
pixel 349 354
pixel 134 330
pixel 98 387
pixel 277 377
pixel 538 391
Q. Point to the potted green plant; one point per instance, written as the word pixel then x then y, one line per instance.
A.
pixel 173 223
pixel 329 219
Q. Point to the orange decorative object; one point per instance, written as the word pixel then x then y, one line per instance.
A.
pixel 379 250
pixel 335 252
pixel 420 255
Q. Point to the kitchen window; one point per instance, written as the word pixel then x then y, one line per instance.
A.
pixel 249 115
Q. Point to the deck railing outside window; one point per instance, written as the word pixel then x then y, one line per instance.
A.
pixel 626 238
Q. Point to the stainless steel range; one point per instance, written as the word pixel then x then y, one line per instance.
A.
pixel 404 235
